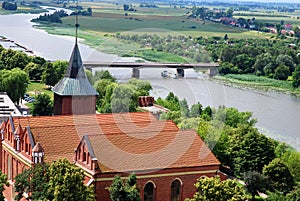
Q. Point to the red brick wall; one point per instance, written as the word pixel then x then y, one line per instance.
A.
pixel 163 183
pixel 65 105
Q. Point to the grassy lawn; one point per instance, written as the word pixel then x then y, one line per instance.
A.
pixel 36 87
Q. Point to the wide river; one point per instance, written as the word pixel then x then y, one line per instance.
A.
pixel 278 115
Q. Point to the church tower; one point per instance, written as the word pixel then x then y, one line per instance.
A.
pixel 74 94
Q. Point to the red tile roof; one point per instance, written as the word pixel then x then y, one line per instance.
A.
pixel 121 142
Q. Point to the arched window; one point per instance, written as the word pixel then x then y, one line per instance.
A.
pixel 149 192
pixel 176 190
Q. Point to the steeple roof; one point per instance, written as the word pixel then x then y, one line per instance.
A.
pixel 75 82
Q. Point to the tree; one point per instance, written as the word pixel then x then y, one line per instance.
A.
pixel 123 99
pixel 261 61
pixel 141 87
pixel 292 160
pixel 226 37
pixel 296 77
pixel 249 150
pixel 281 72
pixel 3 182
pixel 184 107
pixel 42 106
pixel 50 76
pixel 229 12
pixel 60 180
pixel 60 68
pixel 101 87
pixel 280 176
pixel 227 68
pixel 244 63
pixel 196 110
pixel 103 74
pixel 14 82
pixel 255 182
pixel 213 188
pixel 34 71
pixel 119 191
pixel 286 60
pixel 66 182
pixel 33 182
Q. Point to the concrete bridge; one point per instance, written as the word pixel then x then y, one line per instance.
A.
pixel 210 68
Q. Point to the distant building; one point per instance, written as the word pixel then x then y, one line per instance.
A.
pixel 288 26
pixel 167 161
pixel 7 107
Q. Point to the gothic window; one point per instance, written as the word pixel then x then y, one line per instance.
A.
pixel 176 190
pixel 149 192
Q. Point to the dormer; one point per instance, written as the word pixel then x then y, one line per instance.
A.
pixel 84 155
pixel 38 153
pixel 17 135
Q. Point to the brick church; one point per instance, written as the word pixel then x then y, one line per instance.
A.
pixel 167 160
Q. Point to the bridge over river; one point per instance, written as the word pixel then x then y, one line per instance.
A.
pixel 210 68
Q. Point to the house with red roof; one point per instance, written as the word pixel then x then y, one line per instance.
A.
pixel 167 161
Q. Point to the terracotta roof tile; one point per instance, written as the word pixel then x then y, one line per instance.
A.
pixel 121 142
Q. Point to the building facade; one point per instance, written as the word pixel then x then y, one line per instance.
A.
pixel 167 161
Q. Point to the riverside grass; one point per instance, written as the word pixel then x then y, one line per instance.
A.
pixel 259 83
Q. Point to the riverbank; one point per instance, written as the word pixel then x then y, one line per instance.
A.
pixel 258 83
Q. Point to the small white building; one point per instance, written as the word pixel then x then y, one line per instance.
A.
pixel 7 107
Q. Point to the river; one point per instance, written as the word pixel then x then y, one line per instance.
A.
pixel 278 114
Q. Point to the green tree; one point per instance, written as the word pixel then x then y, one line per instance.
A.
pixel 244 63
pixel 280 176
pixel 34 71
pixel 296 77
pixel 101 87
pixel 227 68
pixel 292 160
pixel 33 182
pixel 104 74
pixel 184 107
pixel 42 106
pixel 141 87
pixel 261 61
pixel 14 82
pixel 281 72
pixel 286 60
pixel 196 110
pixel 119 191
pixel 209 189
pixel 123 99
pixel 60 68
pixel 66 182
pixel 255 182
pixel 229 12
pixel 49 76
pixel 249 150
pixel 4 182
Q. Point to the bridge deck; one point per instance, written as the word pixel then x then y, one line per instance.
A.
pixel 95 64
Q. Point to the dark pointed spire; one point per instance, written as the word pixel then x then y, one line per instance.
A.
pixel 75 82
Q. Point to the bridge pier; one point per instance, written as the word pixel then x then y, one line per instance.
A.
pixel 180 72
pixel 135 73
pixel 212 71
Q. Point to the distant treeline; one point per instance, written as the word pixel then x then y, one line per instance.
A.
pixel 9 5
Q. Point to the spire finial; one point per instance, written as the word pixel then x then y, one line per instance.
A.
pixel 76 25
